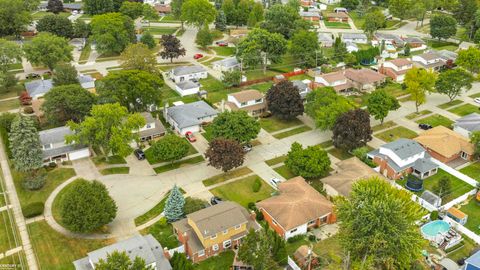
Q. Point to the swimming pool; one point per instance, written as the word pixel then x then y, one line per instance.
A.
pixel 433 228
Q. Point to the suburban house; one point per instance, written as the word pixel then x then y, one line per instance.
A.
pixel 337 80
pixel 472 262
pixel 392 39
pixel 354 37
pixel 207 232
pixel 163 8
pixel 303 87
pixel 38 88
pixel 415 43
pixel 239 33
pixel 251 101
pixel 467 124
pixel 351 47
pixel 349 171
pixel 152 129
pixel 227 64
pixel 396 69
pixel 429 60
pixel 330 2
pixel 55 149
pixel 340 9
pixel 310 15
pixel 67 7
pixel 187 88
pixel 402 157
pixel 145 247
pixel 325 39
pixel 78 43
pixel 337 17
pixel 185 73
pixel 189 117
pixel 297 207
pixel 445 144
pixel 364 79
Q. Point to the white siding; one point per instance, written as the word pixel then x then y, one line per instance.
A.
pixel 302 229
pixel 465 133
pixel 78 154
pixel 186 92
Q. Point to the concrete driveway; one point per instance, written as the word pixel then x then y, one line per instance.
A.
pixel 139 167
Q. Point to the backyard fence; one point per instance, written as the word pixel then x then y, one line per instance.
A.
pixel 267 79
pixel 292 264
pixel 180 249
pixel 418 200
pixel 460 199
pixel 459 227
pixel 452 171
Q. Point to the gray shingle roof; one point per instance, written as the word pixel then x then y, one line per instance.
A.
pixel 190 114
pixel 325 37
pixel 187 85
pixel 354 36
pixel 184 70
pixel 424 165
pixel 38 87
pixel 404 148
pixel 86 81
pixel 54 135
pixel 227 62
pixel 302 87
pixel 469 122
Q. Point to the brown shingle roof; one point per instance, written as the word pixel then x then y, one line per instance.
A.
pixel 297 204
pixel 364 75
pixel 333 76
pixel 247 95
pixel 337 15
pixel 445 141
pixel 400 62
pixel 456 213
pixel 163 8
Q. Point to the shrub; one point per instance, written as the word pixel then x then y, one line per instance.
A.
pixel 434 215
pixel 35 182
pixel 251 206
pixel 33 209
pixel 259 215
pixel 312 237
pixel 193 204
pixel 296 238
pixel 257 184
pixel 28 110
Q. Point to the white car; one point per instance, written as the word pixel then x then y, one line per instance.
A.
pixel 275 181
pixel 477 100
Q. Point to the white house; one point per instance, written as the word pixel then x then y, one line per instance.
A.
pixel 38 88
pixel 467 124
pixel 251 101
pixel 330 2
pixel 303 87
pixel 429 60
pixel 152 129
pixel 186 88
pixel 227 64
pixel 337 80
pixel 396 69
pixel 351 47
pixel 354 38
pixel 185 73
pixel 189 117
pixel 325 39
pixel 55 148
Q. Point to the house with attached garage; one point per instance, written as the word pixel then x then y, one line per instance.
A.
pixel 337 80
pixel 354 37
pixel 189 117
pixel 467 124
pixel 212 230
pixel 379 38
pixel 364 79
pixel 55 149
pixel 187 88
pixel 296 208
pixel 227 64
pixel 396 69
pixel 310 15
pixel 402 157
pixel 185 73
pixel 36 89
pixel 152 129
pixel 251 101
pixel 431 61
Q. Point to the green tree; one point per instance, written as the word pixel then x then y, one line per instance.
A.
pixel 171 47
pixel 120 260
pixel 324 105
pixel 374 20
pixel 117 4
pixel 225 154
pixel 67 102
pixel 443 26
pixel 304 46
pixel 419 82
pixel 198 12
pixel 55 6
pixel 149 12
pixel 380 103
pixel 48 49
pixel 10 53
pixel 255 250
pixel 174 205
pixel 170 148
pixel 310 162
pixel 278 247
pixel 238 126
pixel 475 140
pixel 232 78
pixel 81 29
pixel 229 9
pixel 282 19
pixel 177 10
pixel 25 144
pixel 465 11
pixel 14 17
pixel 133 89
pixel 112 32
pixel 148 40
pixel 339 50
pixel 131 9
pixel 65 74
pixel 139 57
pixel 86 206
pixel 204 37
pixel 391 240
pixel 284 100
pixel 352 130
pixel 400 8
pixel 453 81
pixel 469 59
pixel 180 262
pixel 443 187
pixel 256 15
pixel 95 7
pixel 221 21
pixel 109 127
pixel 349 4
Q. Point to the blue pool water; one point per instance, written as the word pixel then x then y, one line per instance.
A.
pixel 432 228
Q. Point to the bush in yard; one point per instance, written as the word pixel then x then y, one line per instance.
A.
pixel 34 182
pixel 193 205
pixel 170 148
pixel 259 215
pixel 310 162
pixel 434 215
pixel 361 153
pixel 257 184
pixel 251 206
pixel 28 110
pixel 86 206
pixel 33 209
pixel 296 238
pixel 180 262
pixel 174 206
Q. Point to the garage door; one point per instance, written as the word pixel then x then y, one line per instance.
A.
pixel 82 153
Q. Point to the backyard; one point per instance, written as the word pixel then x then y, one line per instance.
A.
pixel 464 109
pixel 472 209
pixel 472 170
pixel 436 120
pixel 163 232
pixel 224 260
pixel 396 133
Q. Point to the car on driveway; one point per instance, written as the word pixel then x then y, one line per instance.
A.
pixel 477 100
pixel 197 56
pixel 215 200
pixel 222 43
pixel 139 154
pixel 424 126
pixel 190 137
pixel 275 181
pixel 32 76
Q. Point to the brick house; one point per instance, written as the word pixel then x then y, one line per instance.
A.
pixel 396 69
pixel 297 208
pixel 251 101
pixel 210 231
pixel 310 15
pixel 337 17
pixel 337 80
pixel 364 79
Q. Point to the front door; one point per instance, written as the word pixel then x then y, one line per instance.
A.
pixel 464 155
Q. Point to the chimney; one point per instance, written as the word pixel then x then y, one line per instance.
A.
pixel 253 215
pixel 166 253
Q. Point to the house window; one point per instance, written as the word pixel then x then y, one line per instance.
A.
pixel 311 222
pixel 464 155
pixel 149 126
pixel 227 243
pixel 258 100
pixel 201 253
pixel 213 236
pixel 225 232
pixel 215 247
pixel 243 104
pixel 237 227
pixel 47 146
pixel 274 222
pixel 294 230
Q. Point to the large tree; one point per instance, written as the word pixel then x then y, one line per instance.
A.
pixel 110 127
pixel 401 8
pixel 148 39
pixel 204 37
pixel 133 89
pixel 48 49
pixel 55 6
pixel 392 239
pixel 14 17
pixel 25 144
pixel 140 57
pixel 255 250
pixel 56 24
pixel 94 7
pixel 453 81
pixel 256 15
pixel 349 4
pixel 419 82
pixel 10 53
pixel 374 20
pixel 65 74
pixel 171 47
pixel 225 154
pixel 86 206
pixel 469 59
pixel 180 262
pixel 81 29
pixel 238 126
pixel 132 9
pixel 284 100
pixel 282 19
pixel 169 148
pixel 380 103
pixel 198 12
pixel 464 12
pixel 174 205
pixel 442 26
pixel 310 162
pixel 304 46
pixel 112 32
pixel 352 130
pixel 120 260
pixel 67 102
pixel 324 105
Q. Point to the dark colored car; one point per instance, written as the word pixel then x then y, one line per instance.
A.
pixel 139 154
pixel 33 76
pixel 424 126
pixel 215 200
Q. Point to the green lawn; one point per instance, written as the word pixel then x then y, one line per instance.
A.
pixel 337 25
pixel 276 160
pixel 163 232
pixel 272 124
pixel 40 14
pixel 262 87
pixel 224 51
pixel 7 105
pixel 223 261
pixel 477 95
pixel 472 209
pixel 285 172
pixel 7 240
pixel 394 89
pixel 468 246
pixel 169 18
pixel 338 153
pixel 85 52
pixel 472 170
pixel 240 191
pixel 12 91
pixel 442 45
pixel 258 74
pixel 358 20
pixel 112 160
pixel 458 186
pixel 115 170
pixel 215 88
pixel 464 109
pixel 179 164
pixel 226 176
pixel 292 132
pixel 326 144
pixel 450 104
pixel 436 120
pixel 158 30
pixel 56 251
pixel 416 115
pixel 16 66
pixel 155 211
pixel 396 133
pixel 17 259
pixel 383 126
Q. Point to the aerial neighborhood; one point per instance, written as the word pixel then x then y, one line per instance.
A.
pixel 239 134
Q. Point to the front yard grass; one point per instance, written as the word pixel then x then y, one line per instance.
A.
pixel 285 172
pixel 276 160
pixel 226 176
pixel 111 160
pixel 383 126
pixel 477 95
pixel 241 191
pixel 472 170
pixel 223 261
pixel 396 133
pixel 224 51
pixel 339 153
pixel 337 25
pixel 56 251
pixel 115 170
pixel 7 240
pixel 163 232
pixel 292 132
pixel 436 120
pixel 272 124
pixel 160 30
pixel 464 109
pixel 155 211
pixel 8 105
pixel 85 54
pixel 416 115
pixel 450 104
pixel 178 164
pixel 394 89
pixel 472 209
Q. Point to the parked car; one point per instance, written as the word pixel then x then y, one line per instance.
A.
pixel 477 100
pixel 190 137
pixel 247 148
pixel 33 76
pixel 222 43
pixel 139 154
pixel 424 126
pixel 275 181
pixel 215 200
pixel 197 56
